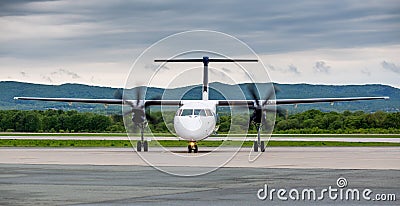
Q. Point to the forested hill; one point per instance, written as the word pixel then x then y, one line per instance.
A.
pixel 9 89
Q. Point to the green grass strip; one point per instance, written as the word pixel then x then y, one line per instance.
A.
pixel 177 143
pixel 65 134
pixel 220 135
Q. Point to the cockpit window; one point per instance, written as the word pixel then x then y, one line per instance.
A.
pixel 187 112
pixel 208 112
pixel 199 112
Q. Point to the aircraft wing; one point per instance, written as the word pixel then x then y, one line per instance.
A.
pixel 320 100
pixel 103 101
pixel 250 103
pixel 243 103
pixel 71 100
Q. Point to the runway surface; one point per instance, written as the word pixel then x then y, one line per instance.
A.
pixel 274 157
pixel 106 176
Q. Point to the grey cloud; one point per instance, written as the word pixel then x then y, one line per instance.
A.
pixel 322 67
pixel 271 67
pixel 47 78
pixel 227 70
pixel 65 72
pixel 391 66
pixel 366 72
pixel 24 74
pixel 154 67
pixel 224 73
pixel 85 32
pixel 91 28
pixel 69 73
pixel 290 69
pixel 217 73
pixel 92 80
pixel 293 69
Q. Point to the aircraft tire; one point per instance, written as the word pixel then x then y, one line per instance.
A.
pixel 255 146
pixel 139 146
pixel 145 146
pixel 262 146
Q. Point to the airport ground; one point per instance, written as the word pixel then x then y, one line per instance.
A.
pixel 120 176
pixel 25 184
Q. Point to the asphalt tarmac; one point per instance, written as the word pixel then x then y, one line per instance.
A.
pixel 274 157
pixel 106 176
pixel 24 184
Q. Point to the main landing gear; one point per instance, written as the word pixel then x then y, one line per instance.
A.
pixel 142 143
pixel 192 146
pixel 259 144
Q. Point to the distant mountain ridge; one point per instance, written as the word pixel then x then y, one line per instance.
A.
pixel 10 89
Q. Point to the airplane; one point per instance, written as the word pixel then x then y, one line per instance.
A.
pixel 195 120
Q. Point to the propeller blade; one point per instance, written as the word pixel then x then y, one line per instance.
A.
pixel 253 93
pixel 282 112
pixel 270 94
pixel 150 118
pixel 138 95
pixel 278 110
pixel 118 94
pixel 139 115
pixel 277 89
pixel 127 112
pixel 257 116
pixel 130 103
pixel 157 97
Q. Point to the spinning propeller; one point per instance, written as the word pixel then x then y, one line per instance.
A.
pixel 138 107
pixel 261 106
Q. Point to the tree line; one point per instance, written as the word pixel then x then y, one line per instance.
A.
pixel 311 121
pixel 58 121
pixel 315 121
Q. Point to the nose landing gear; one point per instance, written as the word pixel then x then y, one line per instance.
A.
pixel 143 144
pixel 192 146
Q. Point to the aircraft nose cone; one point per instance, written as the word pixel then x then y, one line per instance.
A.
pixel 191 123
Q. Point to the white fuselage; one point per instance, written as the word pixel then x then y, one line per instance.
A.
pixel 195 121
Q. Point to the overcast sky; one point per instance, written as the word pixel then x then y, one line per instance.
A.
pixel 96 42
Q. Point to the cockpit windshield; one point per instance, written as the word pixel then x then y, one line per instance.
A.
pixel 186 112
pixel 199 112
pixel 196 112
